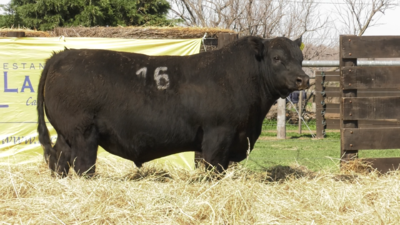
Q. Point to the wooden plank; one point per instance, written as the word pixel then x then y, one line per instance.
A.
pixel 226 38
pixel 211 41
pixel 330 92
pixel 373 108
pixel 332 124
pixel 370 138
pixel 361 77
pixel 369 46
pixel 378 124
pixel 329 110
pixel 332 116
pixel 329 75
pixel 318 82
pixel 329 106
pixel 379 92
pixel 383 165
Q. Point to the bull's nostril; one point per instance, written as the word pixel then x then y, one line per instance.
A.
pixel 299 81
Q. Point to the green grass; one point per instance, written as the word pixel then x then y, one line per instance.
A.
pixel 322 154
pixel 315 154
pixel 270 125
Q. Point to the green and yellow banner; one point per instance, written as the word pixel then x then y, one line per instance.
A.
pixel 22 61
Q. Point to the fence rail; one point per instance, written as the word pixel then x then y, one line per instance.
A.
pixel 334 63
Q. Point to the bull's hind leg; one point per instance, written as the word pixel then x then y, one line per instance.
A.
pixel 84 152
pixel 59 158
pixel 216 146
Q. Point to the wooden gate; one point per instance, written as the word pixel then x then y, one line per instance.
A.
pixel 378 109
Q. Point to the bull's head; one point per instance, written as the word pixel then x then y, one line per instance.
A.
pixel 282 59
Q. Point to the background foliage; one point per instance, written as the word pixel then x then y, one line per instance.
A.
pixel 47 14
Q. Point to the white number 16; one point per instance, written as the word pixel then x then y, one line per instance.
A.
pixel 159 75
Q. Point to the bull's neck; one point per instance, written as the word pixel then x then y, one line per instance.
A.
pixel 257 83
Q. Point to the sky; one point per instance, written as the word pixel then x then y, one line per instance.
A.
pixel 389 24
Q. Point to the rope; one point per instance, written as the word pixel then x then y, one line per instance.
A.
pixel 312 134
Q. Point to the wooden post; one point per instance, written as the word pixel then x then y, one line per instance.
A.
pixel 226 38
pixel 346 155
pixel 16 34
pixel 318 107
pixel 281 123
pixel 300 109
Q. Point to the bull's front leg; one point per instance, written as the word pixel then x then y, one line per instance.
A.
pixel 216 146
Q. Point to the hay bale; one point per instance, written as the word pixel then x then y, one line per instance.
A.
pixel 28 32
pixel 139 32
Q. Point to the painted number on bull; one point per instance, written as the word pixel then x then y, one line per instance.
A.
pixel 142 72
pixel 161 78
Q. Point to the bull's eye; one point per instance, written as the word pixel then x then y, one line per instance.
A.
pixel 276 58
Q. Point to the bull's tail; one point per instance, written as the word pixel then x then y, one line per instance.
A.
pixel 44 136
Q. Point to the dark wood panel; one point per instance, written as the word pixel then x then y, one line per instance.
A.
pixel 211 41
pixel 379 92
pixel 371 77
pixel 318 84
pixel 373 108
pixel 370 138
pixel 384 165
pixel 378 124
pixel 333 92
pixel 331 110
pixel 328 106
pixel 226 38
pixel 318 100
pixel 369 46
pixel 335 124
pixel 332 124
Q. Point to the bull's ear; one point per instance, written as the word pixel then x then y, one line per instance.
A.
pixel 258 46
pixel 298 41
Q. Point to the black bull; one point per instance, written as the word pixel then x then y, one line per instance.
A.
pixel 144 107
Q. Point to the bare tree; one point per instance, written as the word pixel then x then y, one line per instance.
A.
pixel 265 18
pixel 357 15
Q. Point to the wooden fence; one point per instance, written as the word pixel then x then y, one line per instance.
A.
pixel 370 102
pixel 327 94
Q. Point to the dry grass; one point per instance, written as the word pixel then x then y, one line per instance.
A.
pixel 139 32
pixel 122 194
pixel 124 32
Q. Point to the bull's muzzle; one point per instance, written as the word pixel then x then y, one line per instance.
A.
pixel 303 82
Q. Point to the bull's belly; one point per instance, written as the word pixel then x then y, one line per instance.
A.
pixel 149 142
